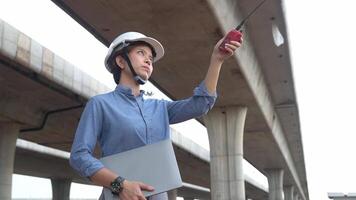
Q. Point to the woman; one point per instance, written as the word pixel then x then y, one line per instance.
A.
pixel 122 119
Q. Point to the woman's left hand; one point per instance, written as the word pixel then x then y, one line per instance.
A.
pixel 231 47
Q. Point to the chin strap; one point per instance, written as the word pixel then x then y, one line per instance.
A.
pixel 137 78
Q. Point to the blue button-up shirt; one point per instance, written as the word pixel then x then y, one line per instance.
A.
pixel 119 121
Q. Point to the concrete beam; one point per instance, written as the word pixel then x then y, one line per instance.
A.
pixel 194 192
pixel 228 16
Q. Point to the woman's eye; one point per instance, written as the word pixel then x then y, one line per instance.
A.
pixel 141 52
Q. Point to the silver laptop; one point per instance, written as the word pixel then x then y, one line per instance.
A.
pixel 153 164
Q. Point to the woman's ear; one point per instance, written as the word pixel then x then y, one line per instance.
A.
pixel 120 62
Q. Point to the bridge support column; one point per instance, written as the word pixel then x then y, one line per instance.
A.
pixel 8 136
pixel 225 129
pixel 60 188
pixel 275 184
pixel 289 192
pixel 296 196
pixel 172 194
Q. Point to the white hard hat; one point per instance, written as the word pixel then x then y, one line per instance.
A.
pixel 125 39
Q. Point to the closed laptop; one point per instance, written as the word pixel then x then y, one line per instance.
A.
pixel 153 164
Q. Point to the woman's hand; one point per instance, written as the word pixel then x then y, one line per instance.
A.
pixel 220 56
pixel 133 190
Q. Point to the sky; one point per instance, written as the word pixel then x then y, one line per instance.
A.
pixel 322 41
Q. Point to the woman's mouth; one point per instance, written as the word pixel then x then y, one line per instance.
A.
pixel 147 69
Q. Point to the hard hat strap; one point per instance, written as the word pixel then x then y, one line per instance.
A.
pixel 137 78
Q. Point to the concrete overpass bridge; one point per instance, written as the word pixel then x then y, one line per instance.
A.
pixel 42 97
pixel 37 160
pixel 256 116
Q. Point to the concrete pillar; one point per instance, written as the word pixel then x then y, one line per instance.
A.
pixel 289 192
pixel 297 196
pixel 225 129
pixel 275 184
pixel 8 136
pixel 60 188
pixel 172 194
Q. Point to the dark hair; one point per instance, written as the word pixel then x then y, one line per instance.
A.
pixel 116 70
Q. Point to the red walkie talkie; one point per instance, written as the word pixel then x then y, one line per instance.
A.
pixel 236 34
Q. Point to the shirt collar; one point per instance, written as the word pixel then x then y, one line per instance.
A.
pixel 126 90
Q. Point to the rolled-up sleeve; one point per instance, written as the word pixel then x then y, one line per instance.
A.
pixel 89 129
pixel 197 105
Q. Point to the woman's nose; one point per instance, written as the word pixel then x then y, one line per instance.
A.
pixel 148 61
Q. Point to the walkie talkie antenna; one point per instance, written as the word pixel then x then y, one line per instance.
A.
pixel 246 18
pixel 236 34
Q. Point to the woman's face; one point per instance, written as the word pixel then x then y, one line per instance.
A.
pixel 141 59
